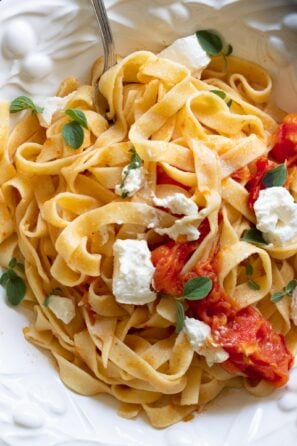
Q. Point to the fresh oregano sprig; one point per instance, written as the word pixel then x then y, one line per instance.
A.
pixel 14 285
pixel 24 103
pixel 286 291
pixel 194 289
pixel 135 163
pixel 73 132
pixel 213 44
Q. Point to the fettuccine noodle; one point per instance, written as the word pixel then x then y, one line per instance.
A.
pixel 60 215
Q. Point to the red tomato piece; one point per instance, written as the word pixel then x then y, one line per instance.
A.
pixel 169 260
pixel 285 141
pixel 254 347
pixel 255 184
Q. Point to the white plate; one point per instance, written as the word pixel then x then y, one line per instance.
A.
pixel 35 408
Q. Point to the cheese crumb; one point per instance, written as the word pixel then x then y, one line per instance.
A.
pixel 62 307
pixel 180 204
pixel 188 52
pixel 50 106
pixel 199 336
pixel 276 215
pixel 132 181
pixel 133 272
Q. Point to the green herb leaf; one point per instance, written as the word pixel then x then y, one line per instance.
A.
pixel 210 42
pixel 276 297
pixel 180 316
pixel 15 290
pixel 229 103
pixel 249 269
pixel 135 161
pixel 20 266
pixel 73 134
pixel 276 177
pixel 253 235
pixel 219 93
pixel 77 116
pixel 229 50
pixel 47 300
pixel 24 103
pixel 197 288
pixel 4 279
pixel 12 263
pixel 290 287
pixel 253 285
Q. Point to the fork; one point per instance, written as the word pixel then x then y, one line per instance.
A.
pixel 108 47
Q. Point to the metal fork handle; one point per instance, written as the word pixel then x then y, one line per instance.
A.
pixel 106 35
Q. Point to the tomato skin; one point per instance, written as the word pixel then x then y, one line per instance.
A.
pixel 255 184
pixel 285 141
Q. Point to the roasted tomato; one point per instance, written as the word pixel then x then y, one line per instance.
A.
pixel 242 175
pixel 285 141
pixel 169 260
pixel 254 348
pixel 262 165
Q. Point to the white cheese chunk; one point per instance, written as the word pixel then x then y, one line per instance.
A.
pixel 133 272
pixel 180 204
pixel 276 215
pixel 62 307
pixel 50 106
pixel 132 181
pixel 294 306
pixel 188 52
pixel 199 336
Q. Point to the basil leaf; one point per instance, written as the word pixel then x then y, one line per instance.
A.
pixel 275 177
pixel 219 93
pixel 229 103
pixel 210 42
pixel 197 288
pixel 229 50
pixel 290 287
pixel 253 285
pixel 77 116
pixel 12 263
pixel 4 279
pixel 249 269
pixel 73 134
pixel 24 103
pixel 253 235
pixel 180 316
pixel 276 297
pixel 15 290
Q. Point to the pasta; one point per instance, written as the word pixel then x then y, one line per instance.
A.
pixel 61 216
